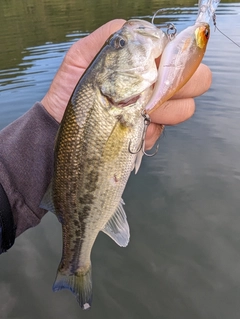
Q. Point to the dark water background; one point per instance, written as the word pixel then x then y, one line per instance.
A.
pixel 183 206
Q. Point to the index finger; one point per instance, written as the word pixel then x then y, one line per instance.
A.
pixel 199 83
pixel 84 50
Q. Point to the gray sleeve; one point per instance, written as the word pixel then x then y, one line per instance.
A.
pixel 26 164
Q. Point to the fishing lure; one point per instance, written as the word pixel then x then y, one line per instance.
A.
pixel 180 59
pixel 182 56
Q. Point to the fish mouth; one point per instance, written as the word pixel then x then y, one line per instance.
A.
pixel 123 103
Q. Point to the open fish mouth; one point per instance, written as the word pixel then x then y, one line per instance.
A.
pixel 123 103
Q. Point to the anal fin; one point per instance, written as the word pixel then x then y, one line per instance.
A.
pixel 117 227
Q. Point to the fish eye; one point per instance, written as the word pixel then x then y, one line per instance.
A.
pixel 122 42
pixel 119 43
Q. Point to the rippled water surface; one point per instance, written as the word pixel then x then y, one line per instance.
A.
pixel 183 206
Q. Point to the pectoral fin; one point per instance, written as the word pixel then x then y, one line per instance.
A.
pixel 47 202
pixel 117 227
pixel 138 161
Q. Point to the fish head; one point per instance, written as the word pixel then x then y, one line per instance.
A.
pixel 128 66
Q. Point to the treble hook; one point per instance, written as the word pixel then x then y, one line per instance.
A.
pixel 153 154
pixel 147 121
pixel 138 150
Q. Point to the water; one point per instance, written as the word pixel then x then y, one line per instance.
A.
pixel 183 206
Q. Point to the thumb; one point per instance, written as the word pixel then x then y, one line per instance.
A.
pixel 83 51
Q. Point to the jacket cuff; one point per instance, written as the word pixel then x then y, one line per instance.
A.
pixel 26 164
pixel 7 228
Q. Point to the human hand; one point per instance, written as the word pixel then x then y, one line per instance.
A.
pixel 76 61
pixel 180 108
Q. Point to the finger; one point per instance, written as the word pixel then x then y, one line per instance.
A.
pixel 83 52
pixel 171 113
pixel 153 133
pixel 107 29
pixel 199 83
pixel 174 112
pixel 97 39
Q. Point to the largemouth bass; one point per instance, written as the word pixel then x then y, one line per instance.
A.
pixel 102 127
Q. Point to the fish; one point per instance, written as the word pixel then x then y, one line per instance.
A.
pixel 97 148
pixel 179 61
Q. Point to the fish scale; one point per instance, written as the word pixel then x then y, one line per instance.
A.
pixel 92 157
pixel 101 137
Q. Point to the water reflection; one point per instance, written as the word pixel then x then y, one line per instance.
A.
pixel 183 206
pixel 21 86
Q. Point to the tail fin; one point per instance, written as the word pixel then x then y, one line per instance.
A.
pixel 79 283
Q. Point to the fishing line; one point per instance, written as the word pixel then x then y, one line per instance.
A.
pixel 171 29
pixel 155 14
pixel 216 28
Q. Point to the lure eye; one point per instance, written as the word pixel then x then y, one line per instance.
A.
pixel 202 35
pixel 207 33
